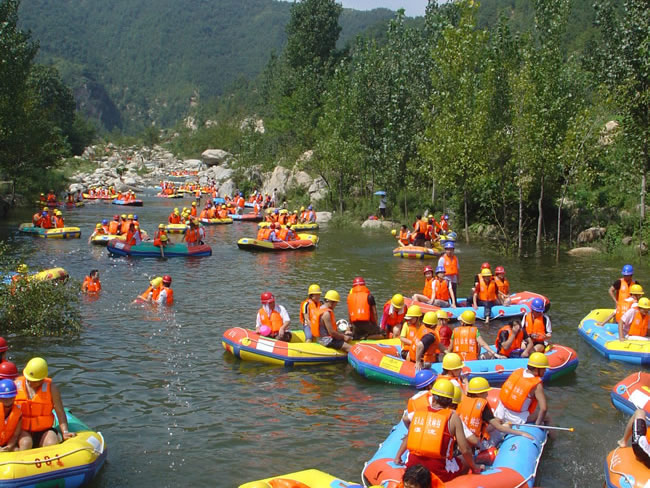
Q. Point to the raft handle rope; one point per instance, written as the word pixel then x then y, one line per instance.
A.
pixel 627 477
pixel 311 353
pixel 61 456
pixel 626 388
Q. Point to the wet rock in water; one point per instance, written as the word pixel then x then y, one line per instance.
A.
pixel 592 234
pixel 379 224
pixel 583 251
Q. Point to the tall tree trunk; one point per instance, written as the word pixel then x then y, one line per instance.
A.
pixel 521 220
pixel 557 242
pixel 433 194
pixel 643 192
pixel 466 217
pixel 406 212
pixel 540 217
pixel 341 193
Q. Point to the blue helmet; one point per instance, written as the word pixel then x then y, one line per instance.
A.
pixel 537 305
pixel 7 389
pixel 449 245
pixel 309 208
pixel 135 217
pixel 440 269
pixel 424 378
pixel 104 222
pixel 44 213
pixel 241 194
pixel 446 217
pixel 627 270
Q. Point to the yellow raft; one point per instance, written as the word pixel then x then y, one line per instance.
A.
pixel 60 233
pixel 309 478
pixel 175 228
pixel 304 226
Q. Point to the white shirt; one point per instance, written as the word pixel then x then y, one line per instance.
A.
pixel 511 416
pixel 278 308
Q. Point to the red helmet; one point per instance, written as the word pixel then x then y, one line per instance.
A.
pixel 267 297
pixel 485 265
pixel 427 269
pixel 358 281
pixel 500 269
pixel 167 279
pixel 116 217
pixel 8 370
pixel 3 345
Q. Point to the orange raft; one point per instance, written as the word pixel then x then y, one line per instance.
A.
pixel 633 392
pixel 622 470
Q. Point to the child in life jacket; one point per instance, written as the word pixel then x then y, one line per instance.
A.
pixel 91 283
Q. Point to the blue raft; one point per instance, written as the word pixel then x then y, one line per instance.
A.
pixel 148 250
pixel 130 203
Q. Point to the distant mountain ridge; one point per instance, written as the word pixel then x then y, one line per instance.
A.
pixel 131 62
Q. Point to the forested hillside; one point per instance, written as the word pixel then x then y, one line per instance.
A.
pixel 133 61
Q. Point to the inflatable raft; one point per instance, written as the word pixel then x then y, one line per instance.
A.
pixel 380 363
pixel 605 339
pixel 71 205
pixel 633 392
pixel 130 203
pixel 52 274
pixel 71 464
pixel 108 197
pixel 622 470
pixel 416 252
pixel 216 221
pixel 249 217
pixel 164 195
pixel 61 233
pixel 304 241
pixel 175 228
pixel 296 227
pixel 515 465
pixel 309 478
pixel 248 345
pixel 519 306
pixel 148 250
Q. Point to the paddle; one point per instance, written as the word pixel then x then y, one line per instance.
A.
pixel 545 427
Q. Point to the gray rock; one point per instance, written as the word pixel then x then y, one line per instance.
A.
pixel 300 179
pixel 192 164
pixel 643 248
pixel 213 157
pixel 227 188
pixel 323 217
pixel 318 189
pixel 278 180
pixel 626 241
pixel 591 234
pixel 378 224
pixel 130 181
pixel 583 251
pixel 75 187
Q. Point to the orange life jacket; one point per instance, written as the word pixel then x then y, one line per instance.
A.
pixel 10 424
pixel 274 322
pixel 174 219
pixel 517 389
pixel 155 293
pixel 535 326
pixel 404 237
pixel 450 264
pixel 241 202
pixel 46 222
pixel 315 323
pixel 393 318
pixel 130 238
pixel 37 411
pixel 430 355
pixel 203 214
pixel 192 235
pixel 442 290
pixel 60 224
pixel 419 401
pixel 113 227
pixel 286 483
pixel 465 342
pixel 283 233
pixel 193 211
pixel 91 285
pixel 420 227
pixel 124 227
pixel 502 285
pixel 639 325
pixel 470 411
pixel 435 482
pixel 429 434
pixel 170 296
pixel 156 237
pixel 411 334
pixel 308 309
pixel 358 306
pixel 516 343
pixel 622 303
pixel 486 291
pixel 36 219
pixel 428 287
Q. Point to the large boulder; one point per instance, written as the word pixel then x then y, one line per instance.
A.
pixel 192 164
pixel 590 235
pixel 379 224
pixel 300 179
pixel 130 181
pixel 227 188
pixel 318 189
pixel 278 181
pixel 583 251
pixel 323 217
pixel 213 157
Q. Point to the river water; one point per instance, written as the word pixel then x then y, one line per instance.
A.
pixel 177 411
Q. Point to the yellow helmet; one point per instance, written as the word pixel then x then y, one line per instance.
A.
pixel 414 311
pixel 486 272
pixel 161 226
pixel 175 209
pixel 46 209
pixel 98 226
pixel 397 301
pixel 36 369
pixel 444 388
pixel 157 281
pixel 314 290
pixel 636 289
pixel 539 360
pixel 644 303
pixel 441 314
pixel 164 238
pixel 468 317
pixel 123 216
pixel 23 268
pixel 452 361
pixel 393 232
pixel 193 204
pixel 458 395
pixel 478 385
pixel 332 296
pixel 302 208
pixel 430 318
pixel 176 212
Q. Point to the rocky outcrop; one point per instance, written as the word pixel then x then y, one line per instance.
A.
pixel 590 235
pixel 583 251
pixel 379 224
pixel 213 157
pixel 278 181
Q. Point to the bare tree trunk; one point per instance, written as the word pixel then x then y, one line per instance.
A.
pixel 341 193
pixel 521 220
pixel 406 212
pixel 466 217
pixel 557 242
pixel 540 218
pixel 643 192
pixel 433 194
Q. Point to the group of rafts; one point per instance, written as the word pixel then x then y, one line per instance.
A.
pixel 381 360
pixel 433 234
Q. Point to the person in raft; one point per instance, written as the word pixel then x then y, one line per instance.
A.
pixel 636 292
pixel 637 430
pixel 91 282
pixel 513 341
pixel 538 325
pixel 362 311
pixel 408 334
pixel 392 317
pixel 433 446
pixel 466 340
pixel 620 290
pixel 308 309
pixel 427 343
pixel 324 325
pixel 272 320
pixel 36 396
pixel 634 324
pixel 522 392
pixel 13 417
pixel 164 295
pixel 449 261
pixel 485 293
pixel 418 476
